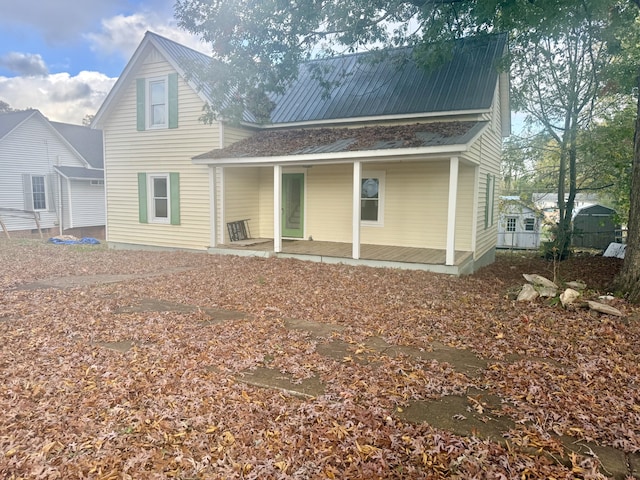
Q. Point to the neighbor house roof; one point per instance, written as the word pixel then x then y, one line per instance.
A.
pixel 80 173
pixel 364 85
pixel 10 120
pixel 86 141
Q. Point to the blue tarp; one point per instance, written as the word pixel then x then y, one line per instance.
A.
pixel 81 241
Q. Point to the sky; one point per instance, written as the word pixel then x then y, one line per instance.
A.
pixel 63 56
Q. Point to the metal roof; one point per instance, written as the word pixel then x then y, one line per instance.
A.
pixel 86 141
pixel 363 85
pixel 366 87
pixel 81 173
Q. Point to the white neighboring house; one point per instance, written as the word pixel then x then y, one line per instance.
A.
pixel 51 176
pixel 520 226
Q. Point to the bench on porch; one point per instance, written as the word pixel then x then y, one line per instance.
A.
pixel 239 230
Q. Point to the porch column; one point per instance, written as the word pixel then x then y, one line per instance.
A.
pixel 277 208
pixel 451 211
pixel 355 222
pixel 212 206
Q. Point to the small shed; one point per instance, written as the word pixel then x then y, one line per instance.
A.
pixel 594 226
pixel 520 226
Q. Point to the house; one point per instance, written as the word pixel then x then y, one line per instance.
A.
pixel 519 225
pixel 51 176
pixel 394 166
pixel 595 226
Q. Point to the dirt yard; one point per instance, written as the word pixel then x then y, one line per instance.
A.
pixel 144 365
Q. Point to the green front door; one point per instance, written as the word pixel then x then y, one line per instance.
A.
pixel 293 205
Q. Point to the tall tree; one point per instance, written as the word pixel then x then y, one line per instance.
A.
pixel 627 73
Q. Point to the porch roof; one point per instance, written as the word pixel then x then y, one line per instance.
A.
pixel 331 144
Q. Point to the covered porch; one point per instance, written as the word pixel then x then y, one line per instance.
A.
pixel 427 259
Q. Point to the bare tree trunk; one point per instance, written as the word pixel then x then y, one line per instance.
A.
pixel 628 281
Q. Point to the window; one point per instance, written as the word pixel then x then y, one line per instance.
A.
pixel 157 113
pixel 529 224
pixel 39 192
pixel 159 198
pixel 511 224
pixel 371 198
pixel 96 182
pixel 490 189
pixel 157 102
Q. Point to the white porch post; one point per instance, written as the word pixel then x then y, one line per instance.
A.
pixel 451 211
pixel 212 206
pixel 277 208
pixel 355 222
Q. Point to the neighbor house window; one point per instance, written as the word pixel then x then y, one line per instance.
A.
pixel 371 198
pixel 39 192
pixel 159 198
pixel 511 224
pixel 157 102
pixel 529 224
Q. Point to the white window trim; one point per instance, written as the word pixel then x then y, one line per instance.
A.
pixel 149 105
pixel 151 214
pixel 381 176
pixel 46 194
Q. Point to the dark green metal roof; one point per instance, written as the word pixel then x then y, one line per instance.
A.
pixel 395 85
pixel 366 86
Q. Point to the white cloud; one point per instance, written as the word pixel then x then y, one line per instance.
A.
pixel 58 21
pixel 120 35
pixel 24 63
pixel 60 97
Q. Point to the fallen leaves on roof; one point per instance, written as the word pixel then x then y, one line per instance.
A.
pixel 268 143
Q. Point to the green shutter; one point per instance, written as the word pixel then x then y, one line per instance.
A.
pixel 486 202
pixel 492 199
pixel 51 192
pixel 173 100
pixel 140 104
pixel 174 188
pixel 142 198
pixel 27 190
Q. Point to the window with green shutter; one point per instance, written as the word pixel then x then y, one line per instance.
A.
pixel 157 102
pixel 159 198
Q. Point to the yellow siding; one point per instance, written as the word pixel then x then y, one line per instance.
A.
pixel 488 151
pixel 242 198
pixel 128 151
pixel 233 134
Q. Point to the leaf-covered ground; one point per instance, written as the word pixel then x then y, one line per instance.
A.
pixel 94 386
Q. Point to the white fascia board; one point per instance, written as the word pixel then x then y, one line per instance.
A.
pixel 378 118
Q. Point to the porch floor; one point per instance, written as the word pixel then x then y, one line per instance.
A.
pixel 388 255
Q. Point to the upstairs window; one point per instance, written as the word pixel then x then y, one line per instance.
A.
pixel 157 113
pixel 157 102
